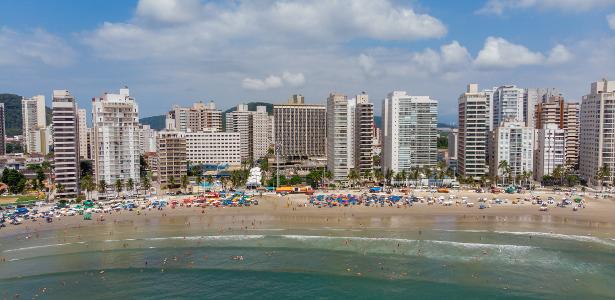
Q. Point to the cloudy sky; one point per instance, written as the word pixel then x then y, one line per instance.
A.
pixel 179 51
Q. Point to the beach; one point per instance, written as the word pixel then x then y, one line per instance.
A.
pixel 506 251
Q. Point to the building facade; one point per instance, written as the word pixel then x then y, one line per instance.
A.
pixel 83 133
pixel 198 117
pixel 65 143
pixel 565 116
pixel 172 162
pixel 550 150
pixel 597 134
pixel 410 132
pixel 507 105
pixel 364 135
pixel 116 138
pixel 512 142
pixel 533 97
pixel 213 148
pixel 261 133
pixel 339 135
pixel 34 119
pixel 474 125
pixel 300 130
pixel 147 139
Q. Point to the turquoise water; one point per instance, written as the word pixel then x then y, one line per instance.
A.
pixel 308 264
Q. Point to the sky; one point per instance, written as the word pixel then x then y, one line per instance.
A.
pixel 181 51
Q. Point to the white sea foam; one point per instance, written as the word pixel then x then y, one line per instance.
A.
pixel 482 246
pixel 237 237
pixel 42 246
pixel 351 238
pixel 578 238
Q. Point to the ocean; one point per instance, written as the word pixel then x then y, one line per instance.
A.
pixel 109 262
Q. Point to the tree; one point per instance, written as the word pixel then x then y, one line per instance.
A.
pixel 87 184
pixel 367 175
pixel 130 184
pixel 602 173
pixel 378 175
pixel 388 176
pixel 119 184
pixel 403 176
pixel 86 167
pixel 558 173
pixel 15 180
pixel 198 180
pixel 171 183
pixel 428 172
pixel 503 166
pixel 146 183
pixel 102 186
pixel 60 188
pixel 184 182
pixel 296 179
pixel 142 166
pixel 353 176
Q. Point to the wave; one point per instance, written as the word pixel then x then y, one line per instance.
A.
pixel 559 236
pixel 42 246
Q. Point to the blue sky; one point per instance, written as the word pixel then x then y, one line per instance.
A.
pixel 179 51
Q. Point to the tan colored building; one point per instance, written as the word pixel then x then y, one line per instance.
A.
pixel 472 137
pixel 199 117
pixel 172 160
pixel 566 116
pixel 66 143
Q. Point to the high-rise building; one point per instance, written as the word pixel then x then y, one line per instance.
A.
pixel 512 142
pixel 172 157
pixel 507 105
pixel 213 148
pixel 364 135
pixel 300 129
pixel 254 128
pixel 597 139
pixel 147 139
pixel 116 137
pixel 550 150
pixel 533 97
pixel 34 119
pixel 565 116
pixel 65 144
pixel 339 141
pixel 83 133
pixel 261 133
pixel 474 124
pixel 199 117
pixel 410 132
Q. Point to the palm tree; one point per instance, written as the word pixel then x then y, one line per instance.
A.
pixel 171 183
pixel 87 184
pixel 184 182
pixel 427 172
pixel 145 183
pixel 402 177
pixel 353 176
pixel 102 186
pixel 388 176
pixel 130 184
pixel 602 173
pixel 503 167
pixel 378 175
pixel 60 188
pixel 558 173
pixel 415 174
pixel 119 184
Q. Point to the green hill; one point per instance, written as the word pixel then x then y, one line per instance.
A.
pixel 12 114
pixel 155 122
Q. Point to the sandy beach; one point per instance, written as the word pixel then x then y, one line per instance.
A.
pixel 290 212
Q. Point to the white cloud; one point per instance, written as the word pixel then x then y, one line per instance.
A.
pixel 273 81
pixel 37 46
pixel 611 20
pixel 169 11
pixel 500 53
pixel 498 7
pixel 296 79
pixel 366 63
pixel 451 57
pixel 559 55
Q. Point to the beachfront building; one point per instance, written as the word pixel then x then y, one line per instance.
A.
pixel 507 104
pixel 452 138
pixel 254 128
pixel 565 116
pixel 83 133
pixel 34 119
pixel 116 138
pixel 512 142
pixel 213 148
pixel 65 144
pixel 550 150
pixel 364 135
pixel 532 98
pixel 172 158
pixel 147 139
pixel 2 131
pixel 340 136
pixel 300 129
pixel 597 134
pixel 474 124
pixel 410 132
pixel 199 116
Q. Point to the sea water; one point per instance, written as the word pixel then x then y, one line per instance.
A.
pixel 326 263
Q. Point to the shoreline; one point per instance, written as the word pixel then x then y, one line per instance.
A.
pixel 289 212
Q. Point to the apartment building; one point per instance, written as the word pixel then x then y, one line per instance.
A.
pixel 550 150
pixel 512 142
pixel 200 116
pixel 507 105
pixel 172 157
pixel 557 111
pixel 474 124
pixel 364 135
pixel 213 148
pixel 65 143
pixel 300 129
pixel 34 119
